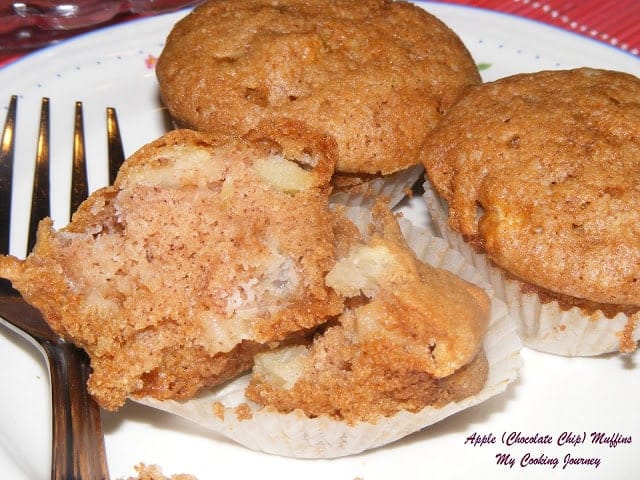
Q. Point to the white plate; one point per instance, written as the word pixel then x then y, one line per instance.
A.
pixel 555 395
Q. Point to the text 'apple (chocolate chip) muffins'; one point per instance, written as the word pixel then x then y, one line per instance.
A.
pixel 418 342
pixel 375 74
pixel 194 260
pixel 536 177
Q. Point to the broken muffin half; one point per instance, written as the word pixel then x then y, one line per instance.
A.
pixel 411 336
pixel 207 249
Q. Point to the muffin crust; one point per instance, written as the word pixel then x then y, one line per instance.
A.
pixel 541 172
pixel 375 74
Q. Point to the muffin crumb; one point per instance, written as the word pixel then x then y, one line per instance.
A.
pixel 243 412
pixel 154 472
pixel 218 410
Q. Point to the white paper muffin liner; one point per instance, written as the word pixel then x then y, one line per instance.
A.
pixel 295 435
pixel 542 326
pixel 394 186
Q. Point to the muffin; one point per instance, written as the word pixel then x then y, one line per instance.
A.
pixel 535 177
pixel 410 338
pixel 377 75
pixel 193 261
pixel 416 344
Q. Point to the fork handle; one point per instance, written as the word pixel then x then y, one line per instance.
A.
pixel 78 450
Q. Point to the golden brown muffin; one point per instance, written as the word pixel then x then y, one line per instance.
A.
pixel 375 74
pixel 411 337
pixel 541 172
pixel 191 262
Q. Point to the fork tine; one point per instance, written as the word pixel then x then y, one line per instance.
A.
pixel 79 184
pixel 114 140
pixel 7 150
pixel 77 440
pixel 40 195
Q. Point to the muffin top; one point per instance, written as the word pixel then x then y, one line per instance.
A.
pixel 170 278
pixel 542 172
pixel 375 74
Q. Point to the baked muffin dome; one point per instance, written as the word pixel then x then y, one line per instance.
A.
pixel 377 75
pixel 541 172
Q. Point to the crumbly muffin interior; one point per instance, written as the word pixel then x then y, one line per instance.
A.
pixel 411 336
pixel 192 262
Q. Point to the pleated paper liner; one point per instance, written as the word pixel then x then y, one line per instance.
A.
pixel 394 187
pixel 295 435
pixel 542 326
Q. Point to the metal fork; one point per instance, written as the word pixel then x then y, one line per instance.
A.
pixel 78 444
